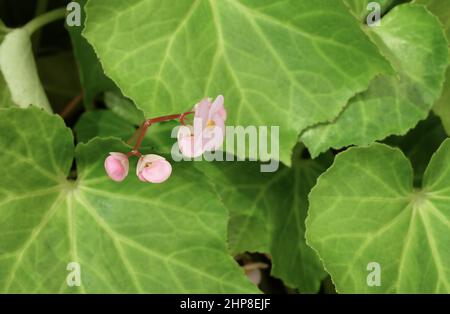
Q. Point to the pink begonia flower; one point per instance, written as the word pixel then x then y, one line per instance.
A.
pixel 189 145
pixel 153 168
pixel 208 131
pixel 116 166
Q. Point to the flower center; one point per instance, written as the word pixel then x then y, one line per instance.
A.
pixel 210 124
pixel 148 164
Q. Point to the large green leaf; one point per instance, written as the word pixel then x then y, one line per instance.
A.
pixel 19 70
pixel 364 209
pixel 442 10
pixel 289 63
pixel 267 215
pixel 127 237
pixel 392 104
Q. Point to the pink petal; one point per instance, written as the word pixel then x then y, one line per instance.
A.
pixel 217 108
pixel 116 166
pixel 141 177
pixel 190 148
pixel 140 166
pixel 149 158
pixel 202 112
pixel 190 145
pixel 185 131
pixel 213 137
pixel 158 172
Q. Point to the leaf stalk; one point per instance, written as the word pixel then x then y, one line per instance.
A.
pixel 45 19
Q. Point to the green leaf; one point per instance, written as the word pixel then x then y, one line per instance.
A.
pixel 127 237
pixel 124 108
pixel 442 107
pixel 19 70
pixel 93 78
pixel 442 10
pixel 267 214
pixel 290 63
pixel 420 144
pixel 102 123
pixel 392 104
pixel 243 190
pixel 359 7
pixel 364 209
pixel 106 123
pixel 293 260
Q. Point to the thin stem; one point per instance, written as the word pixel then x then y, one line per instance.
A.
pixel 71 105
pixel 135 135
pixel 134 153
pixel 141 136
pixel 183 116
pixel 147 123
pixel 41 8
pixel 45 19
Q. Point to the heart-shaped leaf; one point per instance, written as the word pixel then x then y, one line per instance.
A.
pixel 365 210
pixel 288 63
pixel 127 237
pixel 392 104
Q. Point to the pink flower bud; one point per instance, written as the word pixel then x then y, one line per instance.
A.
pixel 116 166
pixel 153 168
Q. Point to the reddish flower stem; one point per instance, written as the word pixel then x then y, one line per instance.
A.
pixel 147 123
pixel 71 105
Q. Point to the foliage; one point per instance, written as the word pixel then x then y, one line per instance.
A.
pixel 364 119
